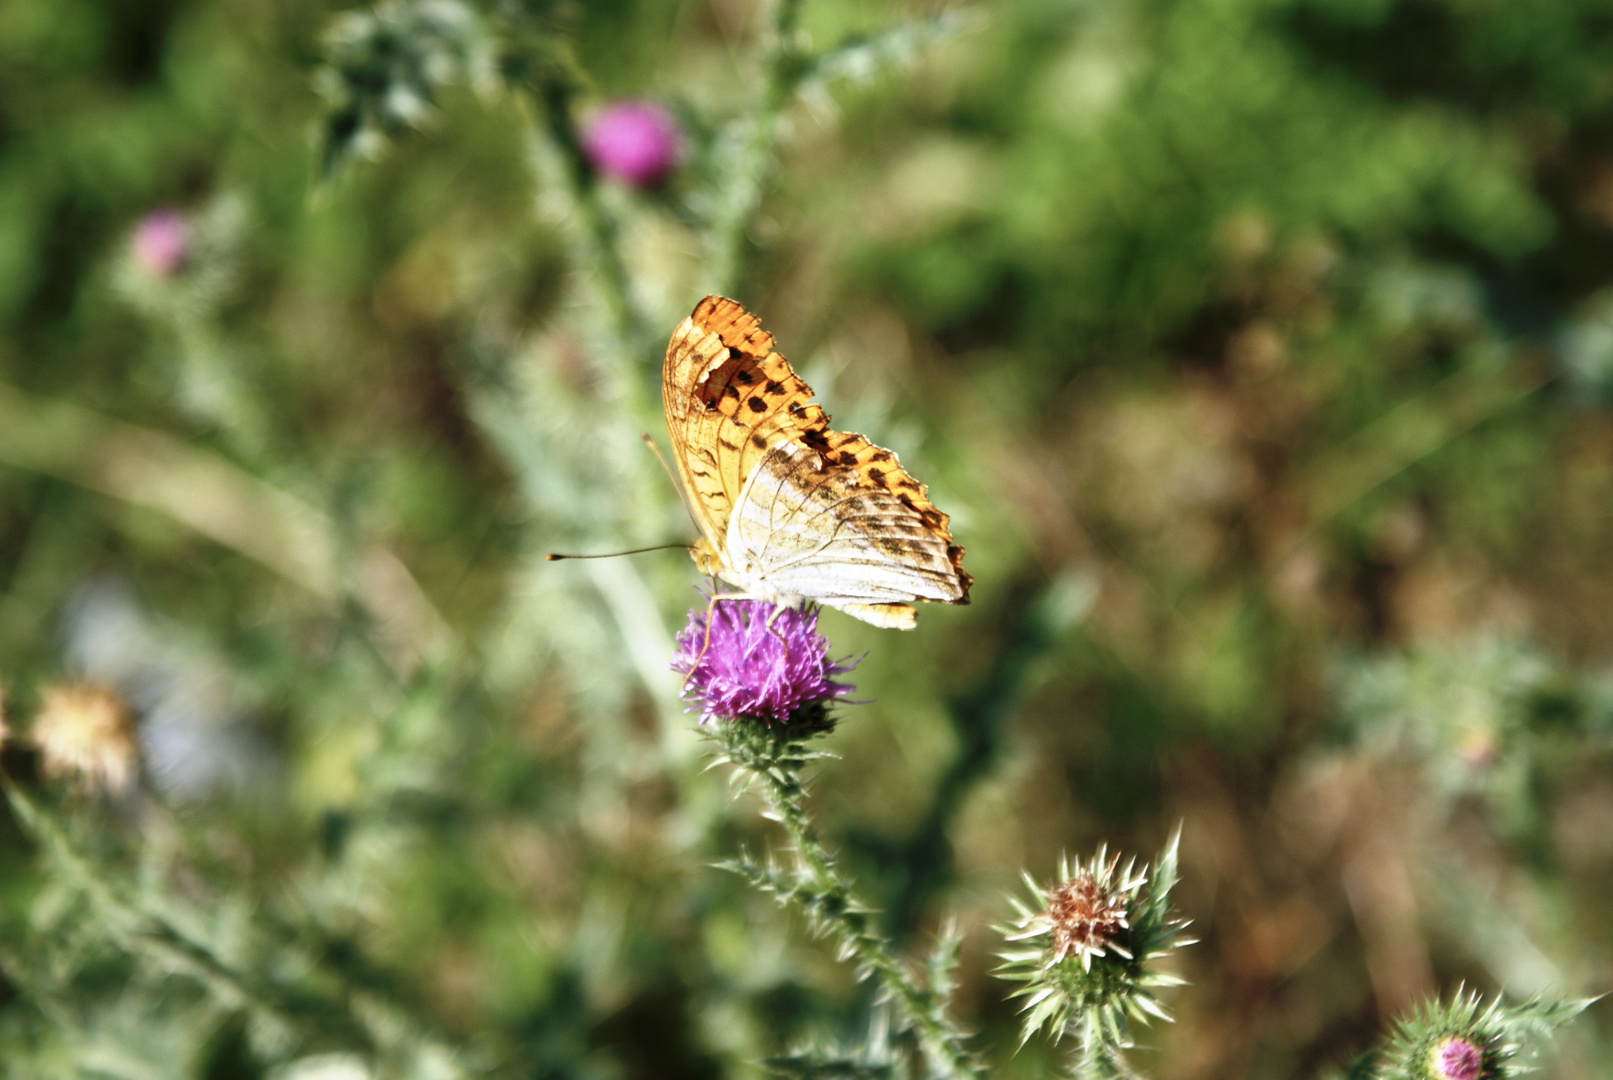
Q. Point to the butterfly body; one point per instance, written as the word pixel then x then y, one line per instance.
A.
pixel 791 510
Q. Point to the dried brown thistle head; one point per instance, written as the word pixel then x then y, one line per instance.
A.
pixel 85 733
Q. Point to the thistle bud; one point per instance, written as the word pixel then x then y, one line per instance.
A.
pixel 635 142
pixel 1466 1039
pixel 1100 930
pixel 1457 1058
pixel 160 246
pixel 1086 914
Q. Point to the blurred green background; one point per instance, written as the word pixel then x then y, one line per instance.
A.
pixel 1262 351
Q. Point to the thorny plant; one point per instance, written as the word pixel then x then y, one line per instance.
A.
pixel 1086 948
pixel 1090 950
pixel 1466 1039
pixel 1094 942
pixel 764 701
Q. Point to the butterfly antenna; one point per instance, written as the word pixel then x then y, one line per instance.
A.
pixel 673 480
pixel 556 557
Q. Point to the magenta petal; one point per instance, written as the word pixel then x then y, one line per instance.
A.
pixel 750 669
pixel 1458 1059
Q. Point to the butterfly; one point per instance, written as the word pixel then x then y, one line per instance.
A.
pixel 792 511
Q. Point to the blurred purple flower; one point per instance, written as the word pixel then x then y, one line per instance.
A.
pixel 1457 1058
pixel 161 243
pixel 750 670
pixel 635 142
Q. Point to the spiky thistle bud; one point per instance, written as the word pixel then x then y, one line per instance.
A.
pixel 1099 933
pixel 1466 1039
pixel 85 734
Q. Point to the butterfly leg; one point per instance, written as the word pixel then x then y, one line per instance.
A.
pixel 711 610
pixel 771 629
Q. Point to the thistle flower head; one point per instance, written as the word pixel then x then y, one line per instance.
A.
pixel 85 733
pixel 1465 1039
pixel 635 142
pixel 1096 936
pixel 160 245
pixel 747 658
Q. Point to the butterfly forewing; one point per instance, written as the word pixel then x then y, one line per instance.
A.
pixel 792 509
pixel 720 366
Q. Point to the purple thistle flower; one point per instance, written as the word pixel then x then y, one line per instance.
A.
pixel 161 243
pixel 749 669
pixel 635 142
pixel 1457 1058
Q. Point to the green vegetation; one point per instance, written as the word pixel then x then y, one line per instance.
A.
pixel 1261 351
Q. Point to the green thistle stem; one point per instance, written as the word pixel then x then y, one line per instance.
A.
pixel 594 232
pixel 550 78
pixel 290 1016
pixel 1099 1057
pixel 144 931
pixel 783 66
pixel 833 901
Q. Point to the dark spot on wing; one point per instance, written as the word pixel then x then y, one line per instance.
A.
pixel 757 405
pixel 876 476
pixel 719 382
pixel 743 377
pixel 773 387
pixel 758 442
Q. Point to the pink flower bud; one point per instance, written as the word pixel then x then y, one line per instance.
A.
pixel 635 142
pixel 161 243
pixel 1457 1058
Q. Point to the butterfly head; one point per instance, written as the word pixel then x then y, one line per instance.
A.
pixel 705 557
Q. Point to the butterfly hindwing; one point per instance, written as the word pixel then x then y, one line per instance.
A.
pixel 821 529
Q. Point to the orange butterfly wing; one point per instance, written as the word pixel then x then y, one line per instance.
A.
pixel 792 509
